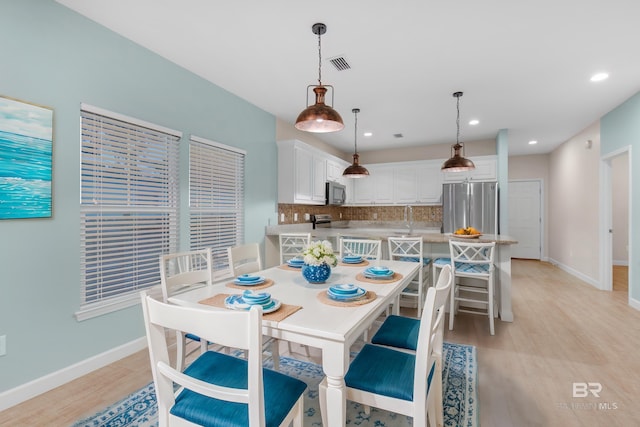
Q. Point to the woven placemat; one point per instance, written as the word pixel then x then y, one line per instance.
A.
pixel 288 267
pixel 396 276
pixel 266 284
pixel 282 313
pixel 368 297
pixel 360 264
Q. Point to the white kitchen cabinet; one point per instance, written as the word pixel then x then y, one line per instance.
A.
pixel 430 182
pixel 377 188
pixel 334 171
pixel 301 173
pixel 486 170
pixel 417 182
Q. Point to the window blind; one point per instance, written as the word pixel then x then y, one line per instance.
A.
pixel 216 199
pixel 128 206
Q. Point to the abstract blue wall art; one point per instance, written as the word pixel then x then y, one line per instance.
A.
pixel 26 145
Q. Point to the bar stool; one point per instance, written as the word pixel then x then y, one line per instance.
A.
pixel 437 265
pixel 411 249
pixel 472 261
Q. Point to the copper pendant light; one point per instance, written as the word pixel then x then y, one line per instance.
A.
pixel 319 118
pixel 457 162
pixel 355 170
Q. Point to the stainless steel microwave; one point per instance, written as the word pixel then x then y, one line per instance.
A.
pixel 336 193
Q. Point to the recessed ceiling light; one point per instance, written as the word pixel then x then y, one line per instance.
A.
pixel 598 77
pixel 368 133
pixel 474 122
pixel 533 142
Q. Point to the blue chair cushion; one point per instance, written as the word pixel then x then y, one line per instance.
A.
pixel 425 260
pixel 384 371
pixel 472 268
pixel 280 393
pixel 398 331
pixel 467 268
pixel 192 337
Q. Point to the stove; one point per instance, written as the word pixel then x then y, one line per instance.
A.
pixel 321 221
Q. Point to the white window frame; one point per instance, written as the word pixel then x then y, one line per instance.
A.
pixel 129 206
pixel 216 199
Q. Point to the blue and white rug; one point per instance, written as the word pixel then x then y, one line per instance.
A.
pixel 459 379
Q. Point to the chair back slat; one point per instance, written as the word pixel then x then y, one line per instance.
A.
pixel 430 334
pixel 244 259
pixel 367 248
pixel 185 270
pixel 292 245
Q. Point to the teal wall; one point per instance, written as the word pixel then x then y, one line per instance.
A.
pixel 618 129
pixel 54 57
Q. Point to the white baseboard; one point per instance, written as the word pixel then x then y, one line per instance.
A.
pixel 41 385
pixel 576 273
pixel 634 303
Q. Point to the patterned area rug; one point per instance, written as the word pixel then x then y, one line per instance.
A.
pixel 459 378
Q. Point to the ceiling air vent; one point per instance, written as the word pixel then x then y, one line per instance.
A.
pixel 340 63
pixel 398 135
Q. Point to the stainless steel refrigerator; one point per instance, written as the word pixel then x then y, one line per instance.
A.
pixel 470 204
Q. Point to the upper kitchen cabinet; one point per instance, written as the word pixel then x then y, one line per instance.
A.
pixel 400 183
pixel 303 172
pixel 417 182
pixel 334 171
pixel 377 188
pixel 486 170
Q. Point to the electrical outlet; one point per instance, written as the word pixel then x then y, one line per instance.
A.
pixel 375 215
pixel 3 345
pixel 295 217
pixel 307 217
pixel 281 217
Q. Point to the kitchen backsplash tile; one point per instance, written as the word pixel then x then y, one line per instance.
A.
pixel 426 214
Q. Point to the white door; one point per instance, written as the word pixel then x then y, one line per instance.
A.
pixel 525 218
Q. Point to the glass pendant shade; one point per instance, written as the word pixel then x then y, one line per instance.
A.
pixel 319 118
pixel 457 162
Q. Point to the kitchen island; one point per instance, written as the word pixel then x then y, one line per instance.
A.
pixel 436 244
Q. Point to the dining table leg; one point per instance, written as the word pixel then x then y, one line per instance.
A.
pixel 332 393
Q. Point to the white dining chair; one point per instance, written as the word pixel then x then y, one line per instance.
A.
pixel 398 381
pixel 244 259
pixel 370 249
pixel 181 272
pixel 412 249
pixel 217 388
pixel 292 245
pixel 472 261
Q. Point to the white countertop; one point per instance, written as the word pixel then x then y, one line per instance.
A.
pixel 428 234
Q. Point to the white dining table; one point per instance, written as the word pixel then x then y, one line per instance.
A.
pixel 331 328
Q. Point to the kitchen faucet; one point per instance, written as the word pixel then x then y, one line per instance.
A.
pixel 408 218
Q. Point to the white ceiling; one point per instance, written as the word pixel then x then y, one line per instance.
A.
pixel 524 67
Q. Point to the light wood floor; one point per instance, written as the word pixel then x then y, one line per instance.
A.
pixel 564 331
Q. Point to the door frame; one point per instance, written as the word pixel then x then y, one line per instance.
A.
pixel 606 219
pixel 540 182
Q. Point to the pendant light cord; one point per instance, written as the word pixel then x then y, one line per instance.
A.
pixel 458 121
pixel 319 59
pixel 355 136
